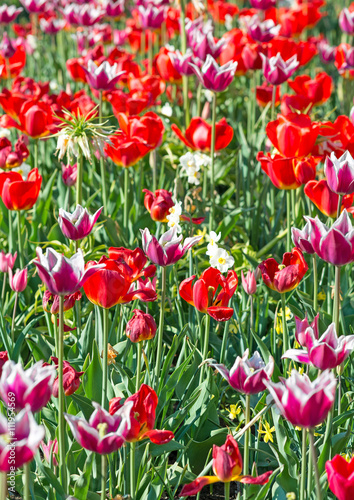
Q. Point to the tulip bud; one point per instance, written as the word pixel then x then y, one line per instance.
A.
pixel 50 301
pixel 7 261
pixel 7 50
pixel 71 379
pixel 158 204
pixel 302 325
pixel 249 282
pixel 69 174
pixel 18 281
pixel 52 446
pixel 142 326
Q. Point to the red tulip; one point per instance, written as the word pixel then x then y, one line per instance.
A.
pixel 134 262
pixel 293 103
pixel 340 475
pixel 141 326
pixel 287 173
pixel 18 194
pixel 158 204
pixel 71 379
pixel 285 277
pixel 149 128
pixel 76 70
pixel 325 199
pixel 13 64
pixel 264 95
pixel 317 90
pixel 165 67
pixel 198 134
pixel 204 294
pixel 125 151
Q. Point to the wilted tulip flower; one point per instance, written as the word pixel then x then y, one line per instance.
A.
pixel 325 199
pixel 286 276
pixel 71 379
pixel 227 467
pixel 51 448
pixel 301 325
pixel 198 134
pixel 335 244
pixel 103 77
pixel 62 276
pixel 302 238
pixel 19 445
pixel 50 301
pixel 8 13
pixel 158 204
pixel 168 249
pixel 143 406
pixel 18 194
pixel 214 77
pixel 7 261
pixel 247 375
pixel 103 433
pixel 249 282
pixel 181 62
pixel 304 403
pixel 326 352
pixel 31 387
pixel 18 281
pixel 69 174
pixel 346 21
pixel 276 71
pixel 340 474
pixel 79 224
pixel 211 293
pixel 340 173
pixel 141 326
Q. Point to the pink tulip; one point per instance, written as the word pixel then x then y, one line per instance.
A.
pixel 276 71
pixel 7 261
pixel 114 9
pixel 151 16
pixel 82 15
pixel 303 402
pixel 50 448
pixel 79 224
pixel 7 49
pixel 52 26
pixel 203 44
pixel 35 6
pixel 69 174
pixel 19 446
pixel 340 173
pixel 326 352
pixel 168 249
pixel 262 31
pixel 346 21
pixel 214 77
pixel 326 52
pixel 249 282
pixel 103 433
pixel 301 325
pixel 263 4
pixel 181 62
pixel 302 238
pixel 18 281
pixel 8 13
pixel 248 376
pixel 31 387
pixel 103 77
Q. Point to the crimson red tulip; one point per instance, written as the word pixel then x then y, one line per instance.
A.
pixel 165 67
pixel 134 262
pixel 158 204
pixel 141 326
pixel 18 194
pixel 325 199
pixel 198 135
pixel 125 151
pixel 318 90
pixel 287 173
pixel 264 95
pixel 148 128
pixel 286 276
pixel 340 474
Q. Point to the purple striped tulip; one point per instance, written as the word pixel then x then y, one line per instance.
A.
pixel 19 446
pixel 35 6
pixel 151 17
pixel 8 13
pixel 247 376
pixel 326 52
pixel 82 15
pixel 114 9
pixel 301 325
pixel 181 62
pixel 62 276
pixel 52 26
pixel 31 387
pixel 103 433
pixel 335 244
pixel 262 31
pixel 168 249
pixel 340 173
pixel 214 77
pixel 103 77
pixel 302 238
pixel 346 21
pixel 263 4
pixel 79 224
pixel 203 44
pixel 303 402
pixel 276 71
pixel 324 353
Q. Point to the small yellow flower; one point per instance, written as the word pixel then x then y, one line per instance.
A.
pixel 279 326
pixel 234 410
pixel 267 432
pixel 321 295
pixel 201 233
pixel 291 368
pixel 291 496
pixel 348 456
pixel 288 313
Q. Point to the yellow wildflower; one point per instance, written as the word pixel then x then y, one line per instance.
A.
pixel 268 436
pixel 234 410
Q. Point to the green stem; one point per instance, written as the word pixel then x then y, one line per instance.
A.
pixel 339 206
pixel 161 325
pixel 152 161
pixel 285 326
pixel 26 470
pixel 11 238
pixel 246 450
pixel 251 322
pixel 315 466
pixel 103 476
pixel 126 193
pixel 35 148
pixel 303 465
pixel 132 470
pixel 199 97
pixel 13 321
pixel 3 289
pixel 288 220
pixel 102 165
pixel 138 365
pixel 212 182
pixel 224 342
pixel 274 95
pixel 227 490
pixel 79 178
pixel 105 358
pixel 19 236
pixel 61 422
pixel 3 486
pixel 315 283
pixel 205 347
pixel 336 303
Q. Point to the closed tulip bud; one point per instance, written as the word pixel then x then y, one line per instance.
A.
pixel 7 50
pixel 18 281
pixel 7 261
pixel 50 448
pixel 141 326
pixel 71 379
pixel 158 204
pixel 249 282
pixel 69 174
pixel 346 21
pixel 3 358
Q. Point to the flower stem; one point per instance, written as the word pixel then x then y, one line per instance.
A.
pixel 224 342
pixel 35 148
pixel 246 450
pixel 126 193
pixel 274 96
pixel 3 486
pixel 105 358
pixel 79 179
pixel 288 220
pixel 339 206
pixel 212 182
pixel 11 244
pixel 285 326
pixel 132 470
pixel 138 366
pixel 161 325
pixel 13 321
pixel 336 304
pixel 61 423
pixel 227 490
pixel 303 465
pixel 103 476
pixel 102 165
pixel 315 466
pixel 26 470
pixel 205 346
pixel 315 283
pixel 3 289
pixel 19 236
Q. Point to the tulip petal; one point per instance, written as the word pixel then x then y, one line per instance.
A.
pixel 194 487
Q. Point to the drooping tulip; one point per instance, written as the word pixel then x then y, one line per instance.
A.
pixel 71 379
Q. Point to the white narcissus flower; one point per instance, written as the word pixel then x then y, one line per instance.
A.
pixel 24 169
pixel 191 163
pixel 212 246
pixel 174 216
pixel 221 260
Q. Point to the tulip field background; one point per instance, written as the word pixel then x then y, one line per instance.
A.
pixel 174 345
